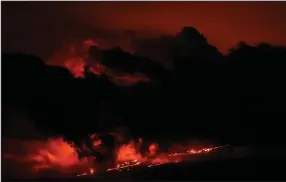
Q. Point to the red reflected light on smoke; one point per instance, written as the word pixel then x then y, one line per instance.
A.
pixel 73 57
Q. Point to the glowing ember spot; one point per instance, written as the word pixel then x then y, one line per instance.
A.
pixel 97 143
pixel 153 149
pixel 91 171
pixel 152 165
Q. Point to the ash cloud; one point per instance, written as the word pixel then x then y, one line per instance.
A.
pixel 234 98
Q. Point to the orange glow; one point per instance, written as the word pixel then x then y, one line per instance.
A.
pixel 72 57
pixel 153 149
pixel 223 23
pixel 40 156
pixel 58 155
pixel 129 152
pixel 76 66
pixel 75 57
pixel 57 152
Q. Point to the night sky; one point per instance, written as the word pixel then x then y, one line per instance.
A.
pixel 40 27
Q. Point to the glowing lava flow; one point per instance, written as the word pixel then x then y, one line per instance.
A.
pixel 158 160
pixel 62 157
pixel 91 171
pixel 125 165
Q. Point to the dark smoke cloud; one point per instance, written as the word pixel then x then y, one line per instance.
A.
pixel 119 60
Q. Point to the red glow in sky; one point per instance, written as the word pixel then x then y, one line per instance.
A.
pixel 38 27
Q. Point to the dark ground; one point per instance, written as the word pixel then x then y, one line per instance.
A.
pixel 235 169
